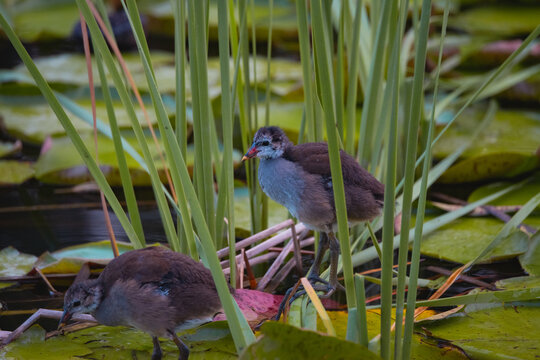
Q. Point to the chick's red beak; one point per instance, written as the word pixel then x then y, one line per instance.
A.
pixel 252 152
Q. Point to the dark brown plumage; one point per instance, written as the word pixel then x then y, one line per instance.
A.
pixel 154 290
pixel 299 178
pixel 364 194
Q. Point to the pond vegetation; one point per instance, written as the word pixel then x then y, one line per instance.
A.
pixel 438 99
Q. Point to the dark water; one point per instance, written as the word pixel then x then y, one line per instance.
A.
pixel 80 221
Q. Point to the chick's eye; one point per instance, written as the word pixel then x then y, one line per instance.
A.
pixel 265 143
pixel 76 303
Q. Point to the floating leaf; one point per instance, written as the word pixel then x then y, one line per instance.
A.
pixel 520 282
pixel 14 172
pixel 280 340
pixel 509 332
pixel 15 263
pixel 211 341
pixel 242 212
pixel 70 259
pixel 32 345
pixel 506 148
pixel 44 20
pixel 498 20
pixel 7 148
pixel 530 261
pixel 517 197
pixel 32 120
pixel 463 239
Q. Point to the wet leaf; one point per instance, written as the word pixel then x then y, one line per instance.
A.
pixel 15 263
pixel 421 349
pixel 70 259
pixel 282 341
pixel 44 20
pixel 7 148
pixel 517 197
pixel 211 341
pixel 242 212
pixel 14 172
pixel 520 282
pixel 530 261
pixel 509 332
pixel 62 164
pixel 498 20
pixel 32 345
pixel 32 120
pixel 463 239
pixel 506 148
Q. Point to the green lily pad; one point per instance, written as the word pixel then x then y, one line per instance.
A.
pixel 105 342
pixel 420 349
pixel 284 23
pixel 7 148
pixel 507 147
pixel 530 261
pixel 463 239
pixel 60 163
pixel 283 341
pixel 242 211
pixel 14 172
pixel 520 282
pixel 32 120
pixel 212 340
pixel 516 197
pixel 498 20
pixel 32 345
pixel 44 20
pixel 70 259
pixel 509 332
pixel 14 263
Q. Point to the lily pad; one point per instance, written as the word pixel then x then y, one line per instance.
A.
pixel 14 172
pixel 509 332
pixel 32 120
pixel 516 197
pixel 498 20
pixel 69 260
pixel 32 345
pixel 284 23
pixel 7 148
pixel 15 263
pixel 520 282
pixel 530 261
pixel 212 341
pixel 242 212
pixel 44 20
pixel 507 147
pixel 463 239
pixel 283 341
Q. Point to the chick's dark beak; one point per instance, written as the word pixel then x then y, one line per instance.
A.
pixel 64 319
pixel 252 152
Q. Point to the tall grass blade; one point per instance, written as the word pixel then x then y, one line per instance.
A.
pixel 412 141
pixel 72 133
